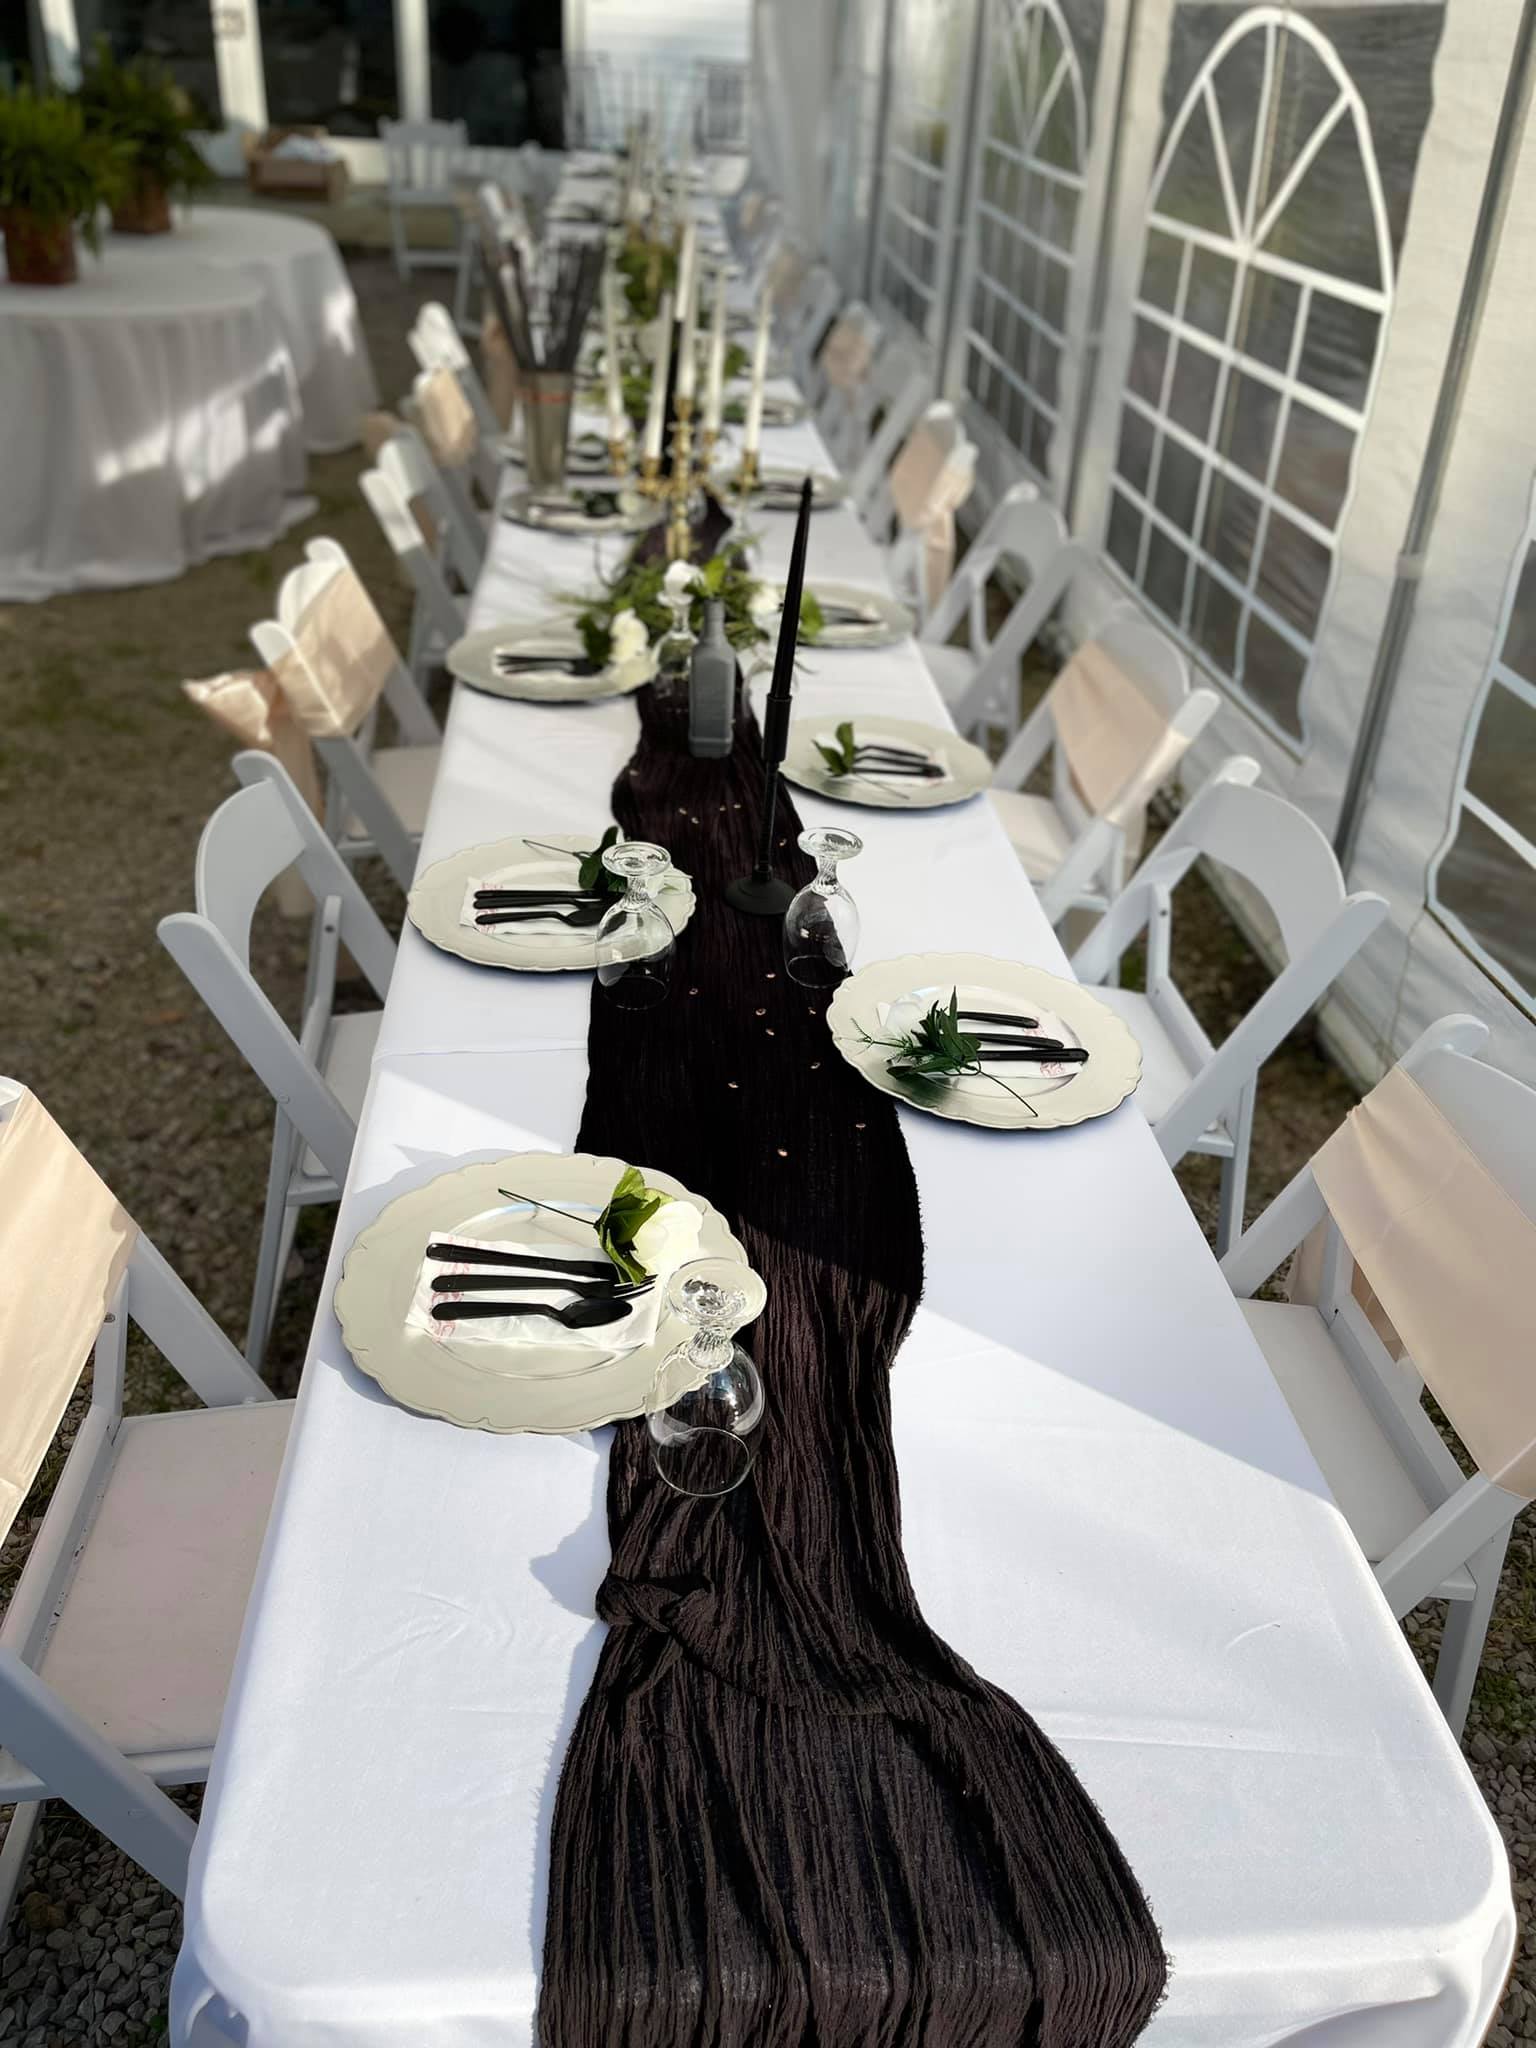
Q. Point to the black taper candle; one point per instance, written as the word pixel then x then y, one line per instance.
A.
pixel 762 893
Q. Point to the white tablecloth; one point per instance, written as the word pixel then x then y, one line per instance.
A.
pixel 1107 1509
pixel 149 417
pixel 301 269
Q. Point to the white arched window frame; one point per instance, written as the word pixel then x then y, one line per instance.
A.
pixel 1482 881
pixel 1249 221
pixel 1024 222
pixel 916 222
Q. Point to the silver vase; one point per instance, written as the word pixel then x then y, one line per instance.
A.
pixel 546 400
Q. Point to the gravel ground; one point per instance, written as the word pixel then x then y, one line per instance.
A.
pixel 96 1017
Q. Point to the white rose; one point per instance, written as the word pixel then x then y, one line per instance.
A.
pixel 628 636
pixel 669 1238
pixel 682 577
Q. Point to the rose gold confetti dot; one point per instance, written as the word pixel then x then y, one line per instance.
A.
pixel 814 1065
pixel 782 1153
pixel 858 1127
pixel 762 1013
pixel 773 1034
pixel 783 842
pixel 733 1084
pixel 735 807
pixel 770 977
pixel 693 991
pixel 682 810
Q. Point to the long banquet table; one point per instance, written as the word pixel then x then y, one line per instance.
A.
pixel 1107 1509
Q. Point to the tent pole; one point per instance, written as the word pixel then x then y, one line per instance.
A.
pixel 1093 340
pixel 882 127
pixel 1390 648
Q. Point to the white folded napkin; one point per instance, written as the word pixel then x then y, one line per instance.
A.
pixel 900 783
pixel 1024 1077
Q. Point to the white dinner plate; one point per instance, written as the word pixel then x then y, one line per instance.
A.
pixel 437 898
pixel 473 661
pixel 967 769
pixel 550 514
pixel 882 1000
pixel 779 409
pixel 882 620
pixel 777 489
pixel 586 454
pixel 535 1383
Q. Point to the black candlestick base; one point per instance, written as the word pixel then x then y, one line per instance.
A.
pixel 759 896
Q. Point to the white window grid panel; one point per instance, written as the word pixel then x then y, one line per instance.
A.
pixel 1498 676
pixel 1248 226
pixel 1016 31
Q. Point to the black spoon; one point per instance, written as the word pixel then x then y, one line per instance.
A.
pixel 581 1315
pixel 463 1254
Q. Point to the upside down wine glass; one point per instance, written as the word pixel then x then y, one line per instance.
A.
pixel 821 925
pixel 635 940
pixel 706 1405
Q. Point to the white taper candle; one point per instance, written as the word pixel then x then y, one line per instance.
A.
pixel 655 412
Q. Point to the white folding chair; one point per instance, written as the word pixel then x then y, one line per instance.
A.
pixel 1417 1222
pixel 118 1641
pixel 334 658
pixel 1116 723
pixel 420 162
pixel 445 421
pixel 882 413
pixel 316 1079
pixel 401 491
pixel 436 344
pixel 1028 538
pixel 841 365
pixel 1196 1096
pixel 912 507
pixel 805 319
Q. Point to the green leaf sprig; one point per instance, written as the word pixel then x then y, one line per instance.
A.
pixel 141 107
pixel 839 758
pixel 812 619
pixel 593 875
pixel 631 1205
pixel 938 1050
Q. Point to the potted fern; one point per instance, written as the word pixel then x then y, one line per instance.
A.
pixel 141 108
pixel 53 177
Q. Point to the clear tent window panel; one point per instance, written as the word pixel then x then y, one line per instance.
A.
pixel 1482 883
pixel 929 46
pixel 1263 299
pixel 1029 187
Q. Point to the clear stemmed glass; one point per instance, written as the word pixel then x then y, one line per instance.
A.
pixel 821 925
pixel 674 651
pixel 706 1405
pixel 635 940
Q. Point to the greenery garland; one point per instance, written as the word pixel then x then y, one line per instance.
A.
pixel 637 587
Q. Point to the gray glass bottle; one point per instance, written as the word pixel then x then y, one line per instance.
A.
pixel 712 687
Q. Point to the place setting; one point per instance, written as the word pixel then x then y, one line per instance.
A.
pixel 548 662
pixel 554 903
pixel 550 1292
pixel 884 763
pixel 838 614
pixel 984 1041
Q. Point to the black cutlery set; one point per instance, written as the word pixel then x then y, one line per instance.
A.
pixel 576 908
pixel 509 664
pixel 878 759
pixel 1023 1041
pixel 598 1295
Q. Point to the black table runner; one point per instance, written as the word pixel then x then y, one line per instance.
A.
pixel 789 1816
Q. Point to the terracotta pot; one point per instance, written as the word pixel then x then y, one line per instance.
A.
pixel 38 251
pixel 144 210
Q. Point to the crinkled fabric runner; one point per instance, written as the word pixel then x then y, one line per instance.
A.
pixel 791 1817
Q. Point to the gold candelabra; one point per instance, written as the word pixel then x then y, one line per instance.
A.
pixel 618 457
pixel 746 474
pixel 649 481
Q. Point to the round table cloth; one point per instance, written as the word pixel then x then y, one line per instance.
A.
pixel 301 269
pixel 151 419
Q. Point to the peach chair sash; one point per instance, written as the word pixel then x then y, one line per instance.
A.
pixel 251 707
pixel 846 354
pixel 928 485
pixel 1119 745
pixel 65 1242
pixel 445 417
pixel 341 659
pixel 1448 1252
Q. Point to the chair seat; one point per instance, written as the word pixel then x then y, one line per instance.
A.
pixel 146 1638
pixel 1037 831
pixel 1375 1493
pixel 953 669
pixel 406 776
pixel 346 1065
pixel 1165 1070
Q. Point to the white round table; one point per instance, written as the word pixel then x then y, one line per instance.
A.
pixel 301 269
pixel 151 418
